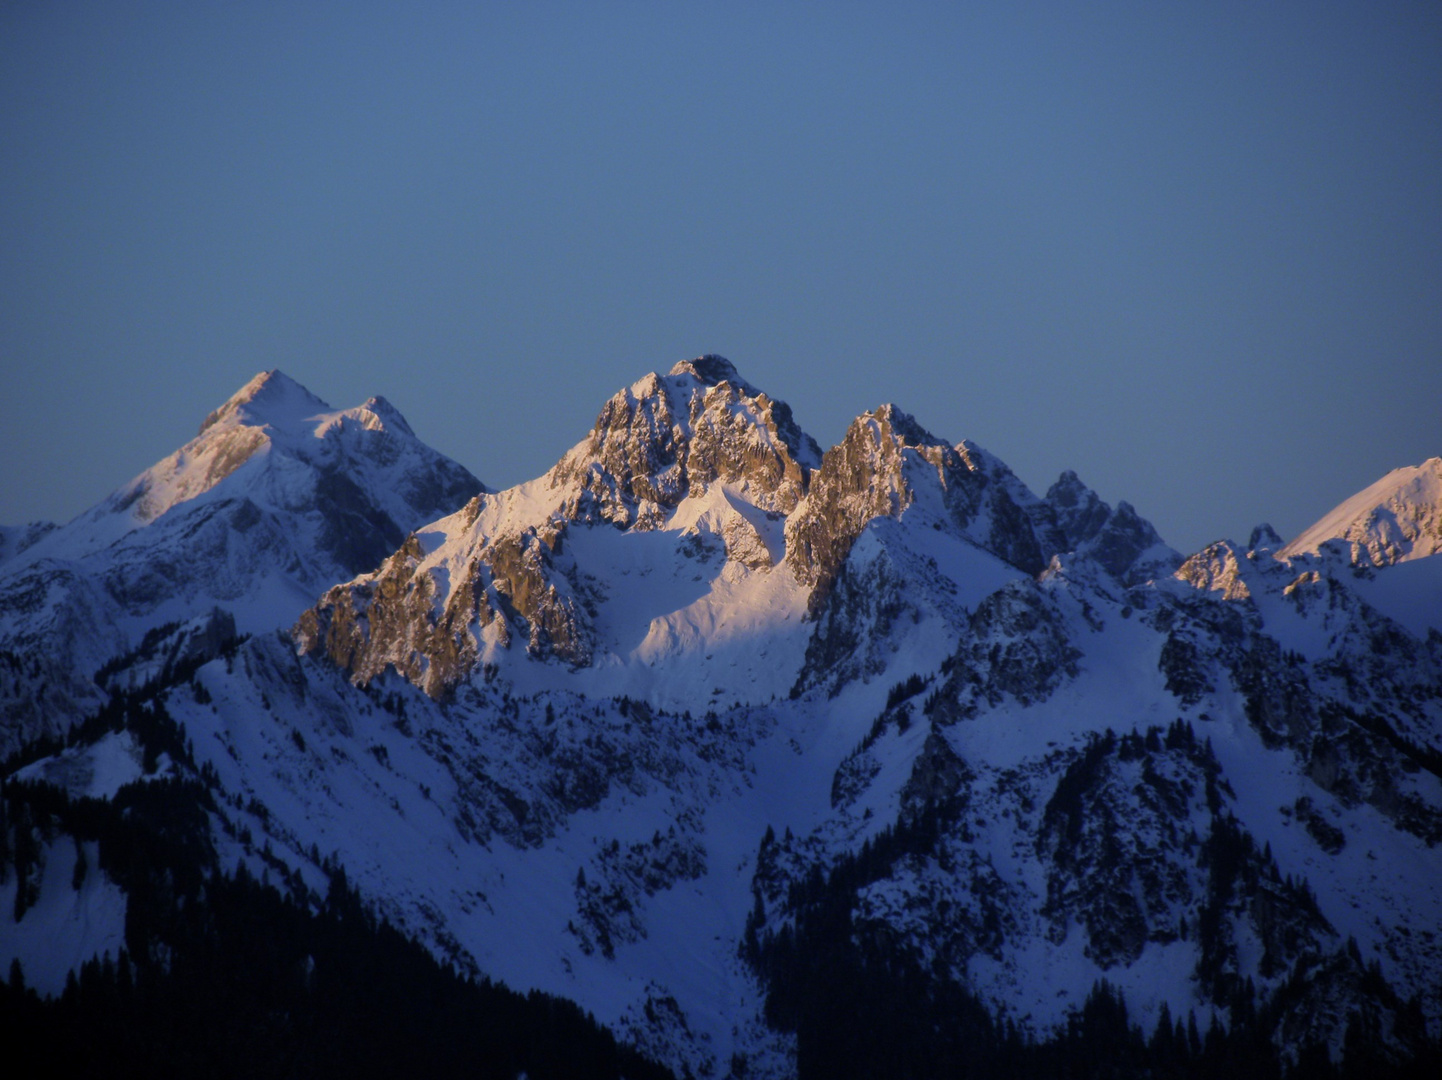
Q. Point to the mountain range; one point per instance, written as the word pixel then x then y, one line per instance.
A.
pixel 774 761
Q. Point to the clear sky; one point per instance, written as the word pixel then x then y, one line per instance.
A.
pixel 1191 250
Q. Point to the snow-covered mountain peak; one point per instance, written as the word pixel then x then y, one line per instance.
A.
pixel 271 405
pixel 270 398
pixel 888 465
pixel 732 743
pixel 653 543
pixel 273 412
pixel 1219 568
pixel 302 449
pixel 979 459
pixel 387 414
pixel 724 537
pixel 277 497
pixel 881 436
pixel 1080 512
pixel 1396 519
pixel 282 408
pixel 864 476
pixel 890 420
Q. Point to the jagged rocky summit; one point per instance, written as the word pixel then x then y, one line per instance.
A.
pixel 731 741
pixel 698 455
pixel 701 483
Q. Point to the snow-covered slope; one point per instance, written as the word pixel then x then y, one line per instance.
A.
pixel 1397 518
pixel 277 497
pixel 16 538
pixel 1389 536
pixel 1132 784
pixel 703 729
pixel 346 479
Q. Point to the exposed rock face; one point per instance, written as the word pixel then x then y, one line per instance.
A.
pixel 1120 833
pixel 860 478
pixel 1326 706
pixel 864 599
pixel 610 899
pixel 1080 512
pixel 667 436
pixel 1015 647
pixel 1217 568
pixel 383 607
pixel 525 580
pixel 58 628
pixel 882 466
pixel 1264 538
pixel 504 569
pixel 663 444
pixel 938 777
pixel 1008 519
pixel 411 618
pixel 1195 786
pixel 1142 851
pixel 1122 541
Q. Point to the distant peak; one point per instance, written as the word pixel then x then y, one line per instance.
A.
pixel 1264 538
pixel 269 385
pixel 268 393
pixel 1069 489
pixel 272 378
pixel 388 414
pixel 710 370
pixel 1080 513
pixel 1397 518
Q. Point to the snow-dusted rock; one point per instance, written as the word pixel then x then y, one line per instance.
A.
pixel 644 732
pixel 685 479
pixel 277 496
pixel 1122 541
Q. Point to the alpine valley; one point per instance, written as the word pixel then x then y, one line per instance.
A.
pixel 711 754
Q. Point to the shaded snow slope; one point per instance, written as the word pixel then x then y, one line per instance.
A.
pixel 1409 592
pixel 15 539
pixel 611 852
pixel 67 925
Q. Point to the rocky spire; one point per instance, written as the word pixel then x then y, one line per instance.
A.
pixel 1264 539
pixel 665 435
pixel 1122 541
pixel 883 464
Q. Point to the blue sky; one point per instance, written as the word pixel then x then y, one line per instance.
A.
pixel 1192 251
